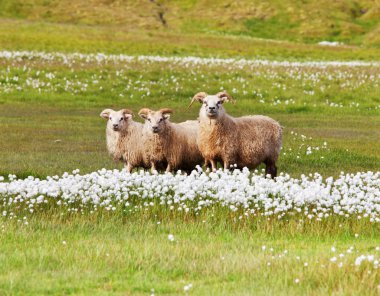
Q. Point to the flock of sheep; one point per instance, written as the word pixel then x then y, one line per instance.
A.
pixel 159 144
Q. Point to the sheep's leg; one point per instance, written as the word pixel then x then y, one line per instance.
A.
pixel 271 169
pixel 153 167
pixel 129 167
pixel 207 164
pixel 273 172
pixel 168 168
pixel 226 165
pixel 213 164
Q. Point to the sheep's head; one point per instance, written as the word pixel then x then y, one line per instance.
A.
pixel 117 120
pixel 155 120
pixel 212 104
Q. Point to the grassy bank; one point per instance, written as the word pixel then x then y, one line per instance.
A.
pixel 42 36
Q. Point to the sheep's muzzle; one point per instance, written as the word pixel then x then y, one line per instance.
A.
pixel 115 127
pixel 211 114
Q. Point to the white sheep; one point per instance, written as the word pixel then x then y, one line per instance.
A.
pixel 125 140
pixel 173 144
pixel 244 141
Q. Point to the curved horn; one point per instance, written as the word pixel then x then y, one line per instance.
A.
pixel 106 113
pixel 166 110
pixel 127 111
pixel 226 97
pixel 198 97
pixel 144 112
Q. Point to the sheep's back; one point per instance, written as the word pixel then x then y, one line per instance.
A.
pixel 260 138
pixel 189 130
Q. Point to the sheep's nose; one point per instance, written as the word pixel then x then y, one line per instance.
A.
pixel 115 125
pixel 155 128
pixel 211 108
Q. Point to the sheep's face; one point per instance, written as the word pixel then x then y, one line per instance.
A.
pixel 155 120
pixel 117 120
pixel 212 106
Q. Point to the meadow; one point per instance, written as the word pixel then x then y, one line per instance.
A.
pixel 73 222
pixel 329 112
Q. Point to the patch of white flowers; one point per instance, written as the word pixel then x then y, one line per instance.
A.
pixel 304 146
pixel 69 58
pixel 352 196
pixel 367 258
pixel 186 288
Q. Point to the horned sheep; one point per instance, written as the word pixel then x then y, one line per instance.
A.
pixel 125 140
pixel 244 141
pixel 173 144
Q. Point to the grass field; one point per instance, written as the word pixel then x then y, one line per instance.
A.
pixel 112 256
pixel 336 105
pixel 50 100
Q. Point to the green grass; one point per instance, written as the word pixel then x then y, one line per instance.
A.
pixel 104 254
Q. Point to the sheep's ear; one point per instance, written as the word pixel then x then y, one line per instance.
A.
pixel 198 97
pixel 143 113
pixel 106 113
pixel 127 113
pixel 225 97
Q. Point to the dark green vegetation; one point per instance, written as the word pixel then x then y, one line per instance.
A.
pixel 253 29
pixel 353 22
pixel 41 36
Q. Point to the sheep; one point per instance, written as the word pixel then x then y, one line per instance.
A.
pixel 174 144
pixel 244 141
pixel 125 140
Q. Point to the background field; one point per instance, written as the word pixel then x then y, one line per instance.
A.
pixel 49 124
pixel 351 22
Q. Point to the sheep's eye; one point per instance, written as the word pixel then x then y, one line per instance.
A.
pixel 121 119
pixel 219 102
pixel 110 118
pixel 161 119
pixel 149 119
